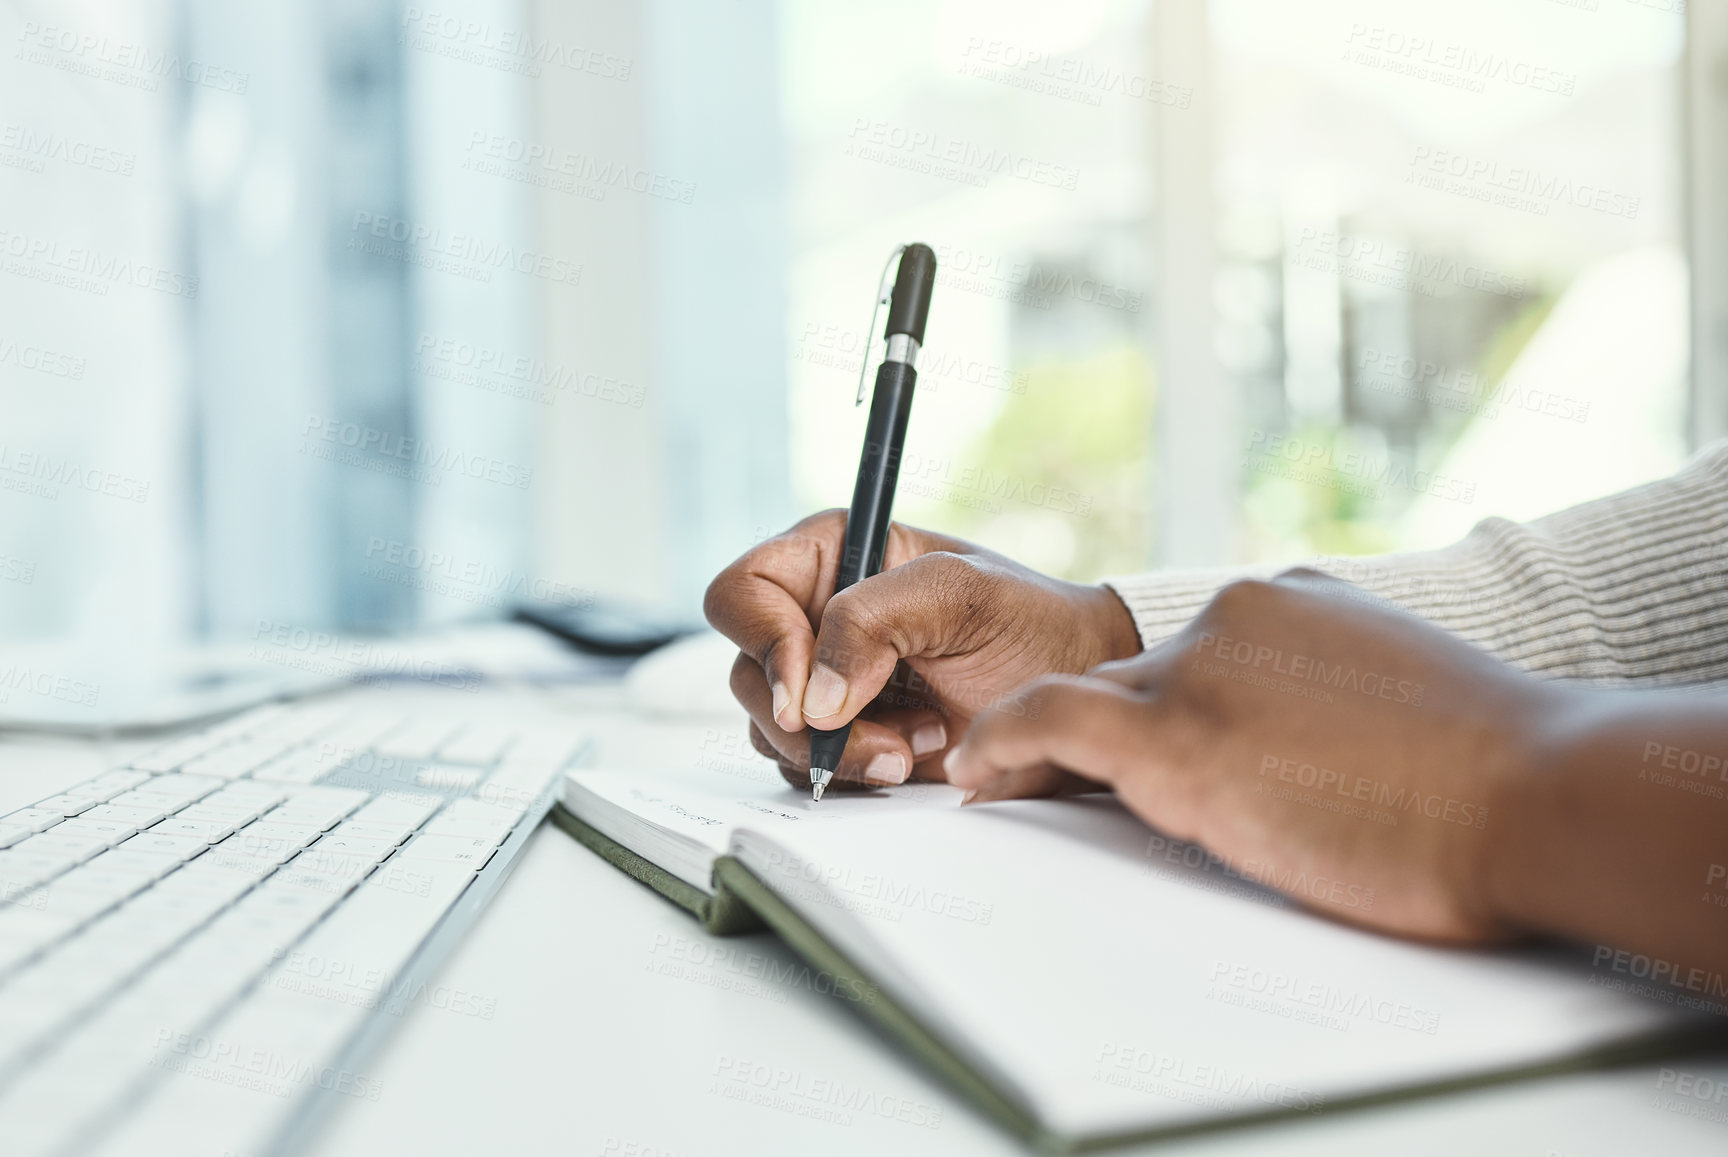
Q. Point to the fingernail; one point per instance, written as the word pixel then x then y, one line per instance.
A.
pixel 948 762
pixel 825 692
pixel 781 698
pixel 928 738
pixel 889 767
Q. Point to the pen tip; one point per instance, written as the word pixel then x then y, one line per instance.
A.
pixel 816 790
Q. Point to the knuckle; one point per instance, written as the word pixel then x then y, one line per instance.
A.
pixel 1243 596
pixel 745 677
pixel 719 595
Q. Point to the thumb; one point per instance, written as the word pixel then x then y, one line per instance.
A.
pixel 1091 727
pixel 926 607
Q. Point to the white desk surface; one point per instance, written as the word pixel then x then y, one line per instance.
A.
pixel 607 1024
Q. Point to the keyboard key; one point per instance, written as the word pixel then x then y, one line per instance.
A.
pixel 444 778
pixel 120 780
pixel 65 805
pixel 142 808
pixel 411 808
pixel 104 879
pixel 210 831
pixel 73 845
pixel 478 809
pixel 475 825
pixel 295 836
pixel 152 864
pixel 377 929
pixel 138 817
pixel 183 847
pixel 113 831
pixel 208 877
pixel 35 818
pixel 472 853
pixel 12 833
pixel 230 812
pixel 393 833
pixel 22 870
pixel 337 843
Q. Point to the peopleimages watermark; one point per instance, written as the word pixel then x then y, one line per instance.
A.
pixel 1166 855
pixel 1069 78
pixel 505 49
pixel 364 985
pixel 84 269
pixel 1331 1005
pixel 247 1066
pixel 120 62
pixel 459 254
pixel 620 1147
pixel 1319 463
pixel 22 147
pixel 1466 391
pixel 338 656
pixel 1448 63
pixel 822 1097
pixel 564 171
pixel 942 480
pixel 1212 1086
pixel 17 570
pixel 48 684
pixel 1514 187
pixel 835 347
pixel 733 968
pixel 41 475
pixel 872 894
pixel 1716 885
pixel 1030 283
pixel 518 375
pixel 1240 654
pixel 417 459
pixel 951 158
pixel 1339 791
pixel 41 359
pixel 731 753
pixel 1699 773
pixel 1692 1095
pixel 1660 980
pixel 1378 261
pixel 470 579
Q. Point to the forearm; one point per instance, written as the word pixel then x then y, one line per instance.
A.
pixel 1615 833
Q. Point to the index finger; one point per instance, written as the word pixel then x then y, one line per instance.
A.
pixel 765 601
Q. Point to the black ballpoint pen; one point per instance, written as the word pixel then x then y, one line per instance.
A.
pixel 879 467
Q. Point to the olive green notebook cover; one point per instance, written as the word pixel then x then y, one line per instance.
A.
pixel 741 903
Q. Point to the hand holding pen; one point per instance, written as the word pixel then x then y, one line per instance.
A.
pixel 947 628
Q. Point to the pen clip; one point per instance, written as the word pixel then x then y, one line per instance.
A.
pixel 884 291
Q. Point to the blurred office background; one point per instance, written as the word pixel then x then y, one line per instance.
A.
pixel 366 315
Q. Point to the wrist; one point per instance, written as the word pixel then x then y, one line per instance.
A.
pixel 1528 811
pixel 1112 624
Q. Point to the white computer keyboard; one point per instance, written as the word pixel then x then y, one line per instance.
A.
pixel 192 944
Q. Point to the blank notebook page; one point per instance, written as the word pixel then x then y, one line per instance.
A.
pixel 1115 991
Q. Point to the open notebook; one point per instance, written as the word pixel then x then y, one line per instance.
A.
pixel 1087 981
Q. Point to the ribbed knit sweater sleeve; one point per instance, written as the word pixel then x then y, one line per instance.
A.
pixel 1632 588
